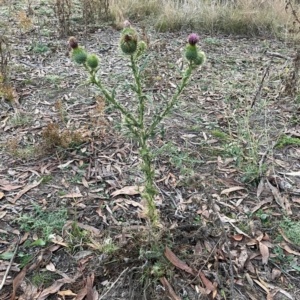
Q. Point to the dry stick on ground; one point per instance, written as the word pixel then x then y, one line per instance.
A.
pixel 261 162
pixel 114 283
pixel 276 54
pixel 211 203
pixel 10 263
pixel 257 95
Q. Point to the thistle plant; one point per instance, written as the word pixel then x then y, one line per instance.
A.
pixel 140 130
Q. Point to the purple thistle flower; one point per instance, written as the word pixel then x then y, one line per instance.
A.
pixel 193 39
pixel 126 24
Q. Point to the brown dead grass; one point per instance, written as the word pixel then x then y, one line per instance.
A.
pixel 237 17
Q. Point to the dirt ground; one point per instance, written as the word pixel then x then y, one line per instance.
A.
pixel 227 192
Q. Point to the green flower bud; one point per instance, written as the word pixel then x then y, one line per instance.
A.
pixel 128 42
pixel 141 47
pixel 79 55
pixel 200 58
pixel 191 53
pixel 92 61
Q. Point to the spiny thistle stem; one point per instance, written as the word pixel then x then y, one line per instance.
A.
pixel 170 105
pixel 141 97
pixel 149 190
pixel 111 99
pixel 131 47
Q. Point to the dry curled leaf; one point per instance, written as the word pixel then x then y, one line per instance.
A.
pixel 72 195
pixel 177 262
pixel 66 293
pixel 169 288
pixel 208 284
pixel 54 288
pixel 264 250
pixel 276 195
pixel 128 190
pixel 232 189
pixel 17 282
pixel 275 273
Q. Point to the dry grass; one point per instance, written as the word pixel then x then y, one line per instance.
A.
pixel 134 9
pixel 232 16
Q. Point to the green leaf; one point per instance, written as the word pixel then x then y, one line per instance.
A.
pixel 143 66
pixel 296 268
pixel 6 255
pixel 38 242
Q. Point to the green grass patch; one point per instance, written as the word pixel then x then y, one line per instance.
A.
pixel 291 230
pixel 43 222
pixel 287 141
pixel 220 134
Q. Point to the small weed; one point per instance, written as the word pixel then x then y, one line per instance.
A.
pixel 43 222
pixel 38 48
pixel 19 119
pixel 265 44
pixel 24 22
pixel 212 41
pixel 233 149
pixel 264 217
pixel 46 178
pixel 197 220
pixel 15 149
pixel 24 258
pixel 108 246
pixel 53 137
pixel 220 134
pixel 252 172
pixel 58 105
pixel 77 237
pixel 27 81
pixel 61 193
pixel 244 226
pixel 158 269
pixel 7 91
pixel 281 258
pixel 291 230
pixel 44 278
pixel 180 158
pixel 287 141
pixel 54 78
pixel 45 32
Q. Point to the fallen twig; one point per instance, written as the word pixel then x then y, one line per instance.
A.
pixel 278 55
pixel 10 263
pixel 257 95
pixel 124 271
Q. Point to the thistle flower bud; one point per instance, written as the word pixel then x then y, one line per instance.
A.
pixel 200 58
pixel 73 42
pixel 92 61
pixel 192 54
pixel 128 41
pixel 141 47
pixel 193 39
pixel 79 55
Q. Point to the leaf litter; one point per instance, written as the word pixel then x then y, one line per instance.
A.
pixel 100 184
